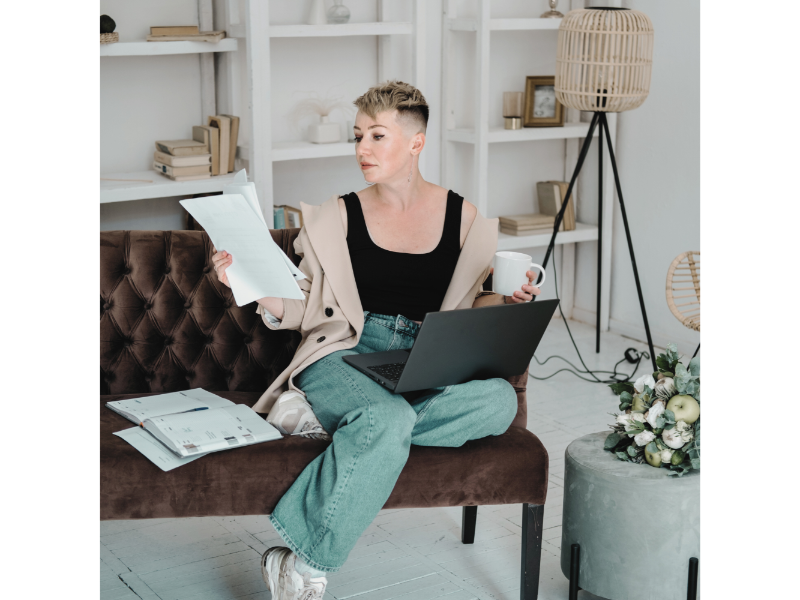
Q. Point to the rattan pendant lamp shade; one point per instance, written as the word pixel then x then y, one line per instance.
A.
pixel 604 59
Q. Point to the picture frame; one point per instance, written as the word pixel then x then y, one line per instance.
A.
pixel 542 108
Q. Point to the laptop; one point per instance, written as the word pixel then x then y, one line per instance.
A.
pixel 456 346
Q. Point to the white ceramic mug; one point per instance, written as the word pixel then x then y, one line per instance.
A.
pixel 509 272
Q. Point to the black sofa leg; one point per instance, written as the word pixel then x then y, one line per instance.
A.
pixel 469 515
pixel 574 570
pixel 532 517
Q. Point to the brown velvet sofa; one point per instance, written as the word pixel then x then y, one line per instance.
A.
pixel 167 324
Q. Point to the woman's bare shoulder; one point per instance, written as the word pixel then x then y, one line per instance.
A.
pixel 468 214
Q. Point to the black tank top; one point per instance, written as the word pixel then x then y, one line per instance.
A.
pixel 397 283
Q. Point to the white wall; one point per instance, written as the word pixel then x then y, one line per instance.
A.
pixel 658 155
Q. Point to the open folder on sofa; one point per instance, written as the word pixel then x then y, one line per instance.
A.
pixel 167 324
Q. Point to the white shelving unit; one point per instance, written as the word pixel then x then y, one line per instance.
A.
pixel 263 152
pixel 161 187
pixel 481 136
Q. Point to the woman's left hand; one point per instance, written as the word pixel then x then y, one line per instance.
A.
pixel 527 293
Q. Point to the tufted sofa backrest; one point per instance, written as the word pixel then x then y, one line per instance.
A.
pixel 167 324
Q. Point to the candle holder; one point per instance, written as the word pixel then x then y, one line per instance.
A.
pixel 552 13
pixel 512 109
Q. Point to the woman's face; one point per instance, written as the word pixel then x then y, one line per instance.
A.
pixel 384 149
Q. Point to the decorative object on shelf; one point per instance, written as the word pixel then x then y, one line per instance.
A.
pixel 325 131
pixel 660 424
pixel 191 156
pixel 317 16
pixel 527 224
pixel 338 13
pixel 603 64
pixel 107 33
pixel 287 217
pixel 552 13
pixel 542 108
pixel 202 36
pixel 512 109
pixel 684 274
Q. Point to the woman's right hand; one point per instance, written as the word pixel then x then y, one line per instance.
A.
pixel 222 260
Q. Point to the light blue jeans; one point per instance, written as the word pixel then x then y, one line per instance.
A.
pixel 336 497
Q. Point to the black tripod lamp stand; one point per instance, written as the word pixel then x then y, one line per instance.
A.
pixel 603 65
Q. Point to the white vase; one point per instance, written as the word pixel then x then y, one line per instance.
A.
pixel 317 14
pixel 324 132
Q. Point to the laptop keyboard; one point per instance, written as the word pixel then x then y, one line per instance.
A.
pixel 391 371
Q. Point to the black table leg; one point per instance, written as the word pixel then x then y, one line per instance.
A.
pixel 574 570
pixel 691 593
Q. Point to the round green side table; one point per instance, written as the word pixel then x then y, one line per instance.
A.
pixel 633 530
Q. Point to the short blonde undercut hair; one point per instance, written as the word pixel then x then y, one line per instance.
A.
pixel 412 109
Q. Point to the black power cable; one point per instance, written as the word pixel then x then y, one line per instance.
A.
pixel 631 355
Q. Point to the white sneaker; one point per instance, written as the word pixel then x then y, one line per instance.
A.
pixel 285 583
pixel 293 415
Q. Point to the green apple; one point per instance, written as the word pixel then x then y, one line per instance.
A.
pixel 653 458
pixel 677 457
pixel 638 403
pixel 685 408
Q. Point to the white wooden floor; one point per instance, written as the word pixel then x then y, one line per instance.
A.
pixel 408 554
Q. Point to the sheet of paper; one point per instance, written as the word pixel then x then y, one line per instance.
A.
pixel 258 268
pixel 153 450
pixel 241 186
pixel 148 407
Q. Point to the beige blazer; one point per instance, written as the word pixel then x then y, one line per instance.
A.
pixel 331 317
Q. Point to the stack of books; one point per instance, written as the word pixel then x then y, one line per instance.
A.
pixel 183 33
pixel 287 217
pixel 182 160
pixel 551 196
pixel 211 151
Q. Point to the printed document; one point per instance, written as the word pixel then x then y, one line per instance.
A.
pixel 137 410
pixel 191 433
pixel 154 450
pixel 247 189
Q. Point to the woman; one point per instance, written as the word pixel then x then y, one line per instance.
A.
pixel 377 261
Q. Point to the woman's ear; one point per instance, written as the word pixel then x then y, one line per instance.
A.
pixel 417 143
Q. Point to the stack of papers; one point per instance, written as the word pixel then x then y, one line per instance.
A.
pixel 235 223
pixel 177 428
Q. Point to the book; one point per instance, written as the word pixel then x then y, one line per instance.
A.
pixel 136 410
pixel 182 161
pixel 223 124
pixel 234 142
pixel 186 177
pixel 569 214
pixel 182 171
pixel 209 136
pixel 531 219
pixel 181 147
pixel 532 231
pixel 175 30
pixel 203 36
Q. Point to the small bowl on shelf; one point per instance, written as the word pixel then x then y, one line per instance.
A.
pixel 109 38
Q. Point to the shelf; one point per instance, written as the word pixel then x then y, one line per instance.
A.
pixel 380 28
pixel 526 134
pixel 161 187
pixel 300 150
pixel 505 24
pixel 581 233
pixel 158 48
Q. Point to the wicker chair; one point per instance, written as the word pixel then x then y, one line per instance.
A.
pixel 683 275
